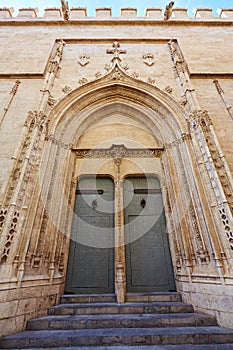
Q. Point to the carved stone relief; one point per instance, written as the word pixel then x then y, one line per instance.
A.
pixel 118 152
pixel 168 89
pixel 83 81
pixel 151 81
pixel 116 51
pixel 67 89
pixel 134 75
pixel 148 59
pixel 84 59
pixel 205 123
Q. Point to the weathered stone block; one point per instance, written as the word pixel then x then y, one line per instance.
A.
pixel 204 13
pixel 180 14
pixel 27 13
pixel 76 13
pixel 8 309
pixel 226 13
pixel 154 13
pixel 103 12
pixel 52 13
pixel 128 12
pixel 26 306
pixel 6 12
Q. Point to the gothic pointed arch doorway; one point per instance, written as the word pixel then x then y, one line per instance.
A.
pixel 120 127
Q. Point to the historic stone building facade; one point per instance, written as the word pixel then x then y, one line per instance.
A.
pixel 133 112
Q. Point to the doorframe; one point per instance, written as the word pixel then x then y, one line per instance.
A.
pixel 117 153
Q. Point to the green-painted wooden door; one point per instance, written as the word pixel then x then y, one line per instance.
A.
pixel 91 257
pixel 148 260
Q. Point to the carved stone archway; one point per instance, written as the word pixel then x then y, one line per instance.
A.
pixel 195 205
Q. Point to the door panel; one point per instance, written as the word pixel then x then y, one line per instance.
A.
pixel 90 266
pixel 148 261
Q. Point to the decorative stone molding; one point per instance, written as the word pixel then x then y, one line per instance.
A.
pixel 54 63
pixel 12 93
pixel 10 236
pixel 118 152
pixel 206 125
pixel 35 119
pixel 221 93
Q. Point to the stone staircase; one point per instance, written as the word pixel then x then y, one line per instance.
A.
pixel 144 322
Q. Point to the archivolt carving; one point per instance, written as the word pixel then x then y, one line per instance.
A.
pixel 206 123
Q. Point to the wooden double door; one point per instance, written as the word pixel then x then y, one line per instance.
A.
pixel 91 257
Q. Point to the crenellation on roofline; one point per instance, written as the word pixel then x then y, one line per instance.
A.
pixel 77 13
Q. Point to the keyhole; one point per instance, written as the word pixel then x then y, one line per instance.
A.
pixel 143 203
pixel 94 204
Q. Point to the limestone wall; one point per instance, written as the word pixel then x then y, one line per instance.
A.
pixel 183 66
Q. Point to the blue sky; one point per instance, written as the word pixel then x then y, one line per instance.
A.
pixel 117 4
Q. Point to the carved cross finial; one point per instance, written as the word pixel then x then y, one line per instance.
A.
pixel 116 51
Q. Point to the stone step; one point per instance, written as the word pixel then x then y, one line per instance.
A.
pixel 113 308
pixel 145 297
pixel 146 347
pixel 130 297
pixel 121 321
pixel 88 298
pixel 118 337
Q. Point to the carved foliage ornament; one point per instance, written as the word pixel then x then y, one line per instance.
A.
pixel 118 152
